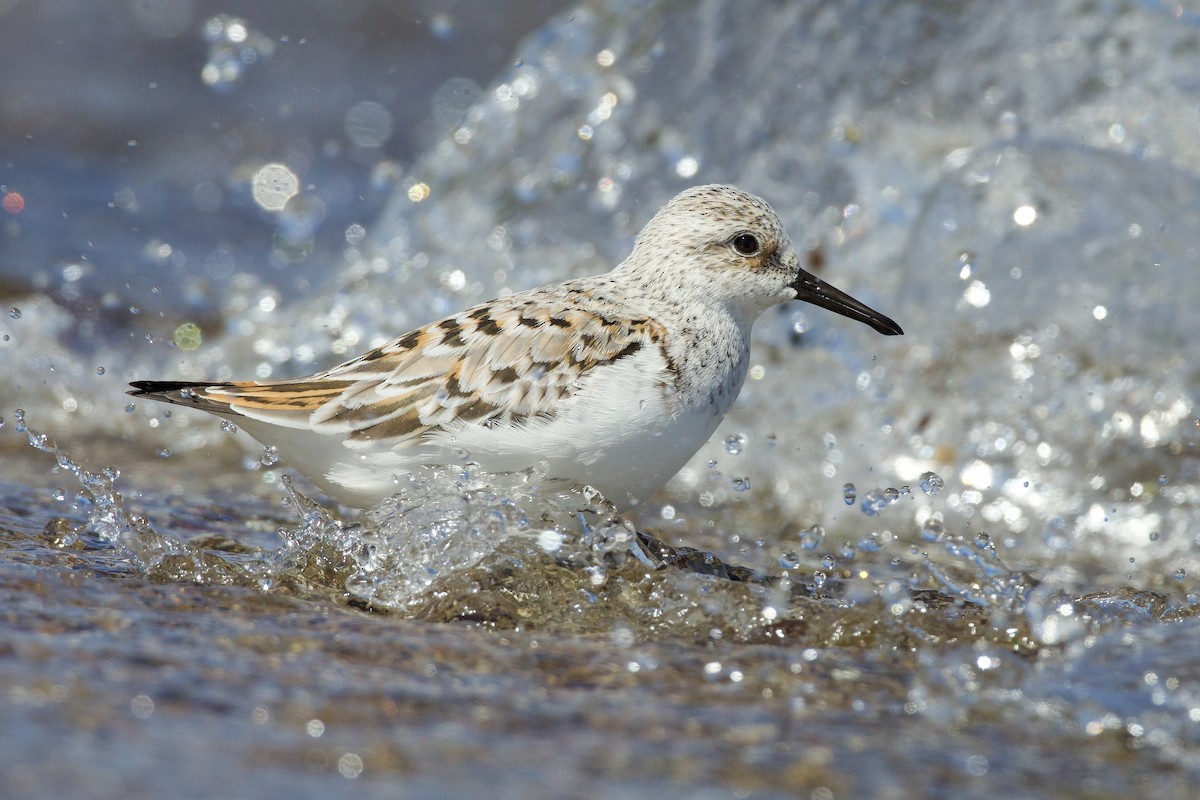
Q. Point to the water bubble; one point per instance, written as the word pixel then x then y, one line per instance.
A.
pixel 14 312
pixel 735 444
pixel 931 483
pixel 849 494
pixel 741 484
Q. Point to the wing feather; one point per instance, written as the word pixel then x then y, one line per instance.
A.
pixel 503 362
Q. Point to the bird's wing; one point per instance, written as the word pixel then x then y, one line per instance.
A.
pixel 504 362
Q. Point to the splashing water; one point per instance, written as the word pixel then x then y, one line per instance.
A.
pixel 158 556
pixel 440 523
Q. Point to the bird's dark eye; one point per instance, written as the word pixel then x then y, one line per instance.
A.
pixel 746 244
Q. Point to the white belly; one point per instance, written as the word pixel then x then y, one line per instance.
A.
pixel 623 432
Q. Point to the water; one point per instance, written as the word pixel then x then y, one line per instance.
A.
pixel 1015 190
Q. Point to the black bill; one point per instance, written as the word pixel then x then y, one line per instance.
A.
pixel 812 289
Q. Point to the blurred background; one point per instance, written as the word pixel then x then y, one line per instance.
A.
pixel 131 133
pixel 196 189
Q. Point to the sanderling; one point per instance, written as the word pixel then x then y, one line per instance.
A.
pixel 614 381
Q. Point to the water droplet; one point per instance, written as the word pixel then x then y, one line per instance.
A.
pixel 873 502
pixel 228 426
pixel 99 370
pixel 14 312
pixel 1162 480
pixel 269 457
pixel 933 529
pixel 735 444
pixel 789 559
pixel 188 336
pixel 965 259
pixel 129 409
pixel 1180 574
pixel 828 561
pixel 819 579
pixel 741 484
pixel 931 483
pixel 164 453
pixel 550 540
pixel 849 494
pixel 811 539
pixel 772 440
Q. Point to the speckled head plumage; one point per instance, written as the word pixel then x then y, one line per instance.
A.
pixel 719 243
pixel 717 233
pixel 613 380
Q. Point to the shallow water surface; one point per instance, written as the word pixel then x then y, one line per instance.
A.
pixel 528 676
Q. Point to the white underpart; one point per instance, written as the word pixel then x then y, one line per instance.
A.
pixel 623 433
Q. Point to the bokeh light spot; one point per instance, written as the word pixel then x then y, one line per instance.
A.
pixel 273 185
